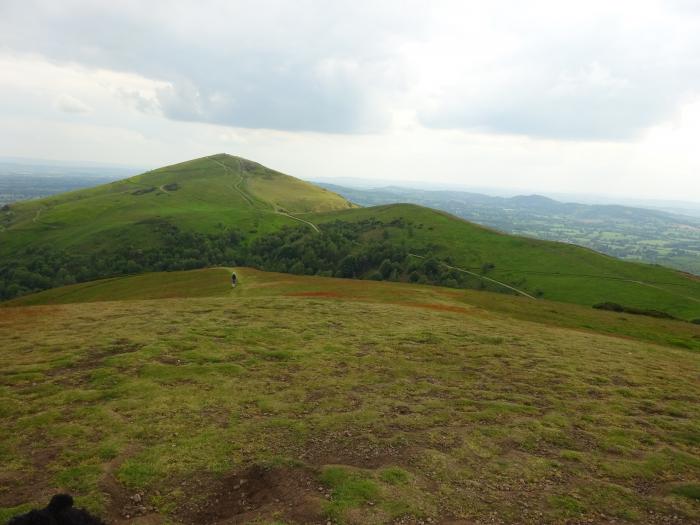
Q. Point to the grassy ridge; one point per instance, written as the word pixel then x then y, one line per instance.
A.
pixel 562 272
pixel 256 284
pixel 354 401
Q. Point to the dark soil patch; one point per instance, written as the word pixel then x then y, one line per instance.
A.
pixel 30 484
pixel 289 495
pixel 350 448
pixel 78 373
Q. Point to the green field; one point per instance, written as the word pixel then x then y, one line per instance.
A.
pixel 292 399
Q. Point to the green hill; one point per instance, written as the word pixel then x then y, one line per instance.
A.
pixel 303 399
pixel 557 271
pixel 224 211
pixel 202 195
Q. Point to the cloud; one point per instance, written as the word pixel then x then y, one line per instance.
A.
pixel 585 71
pixel 69 104
pixel 306 66
pixel 595 70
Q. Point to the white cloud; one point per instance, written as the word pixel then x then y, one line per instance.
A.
pixel 69 104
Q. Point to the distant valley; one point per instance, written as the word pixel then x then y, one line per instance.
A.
pixel 32 179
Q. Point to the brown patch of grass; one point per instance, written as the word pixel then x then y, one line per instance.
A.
pixel 439 307
pixel 314 294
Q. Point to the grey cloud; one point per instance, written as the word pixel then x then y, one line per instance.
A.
pixel 282 65
pixel 338 67
pixel 552 108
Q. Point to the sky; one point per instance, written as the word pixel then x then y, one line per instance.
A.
pixel 595 97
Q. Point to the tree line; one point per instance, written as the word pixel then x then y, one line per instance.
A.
pixel 362 250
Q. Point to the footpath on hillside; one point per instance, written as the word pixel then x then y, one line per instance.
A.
pixel 251 202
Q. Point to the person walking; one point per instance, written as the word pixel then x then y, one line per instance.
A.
pixel 234 280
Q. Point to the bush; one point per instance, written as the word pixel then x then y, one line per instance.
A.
pixel 614 307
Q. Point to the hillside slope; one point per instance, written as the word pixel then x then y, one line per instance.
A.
pixel 202 195
pixel 557 271
pixel 297 399
pixel 626 232
pixel 214 282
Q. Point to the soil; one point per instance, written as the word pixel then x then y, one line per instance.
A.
pixel 286 494
pixel 30 484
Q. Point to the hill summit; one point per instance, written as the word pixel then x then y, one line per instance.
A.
pixel 202 195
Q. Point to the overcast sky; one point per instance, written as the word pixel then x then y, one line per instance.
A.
pixel 559 96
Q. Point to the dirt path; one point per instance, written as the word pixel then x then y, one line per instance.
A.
pixel 236 186
pixel 665 290
pixel 38 213
pixel 478 276
pixel 300 220
pixel 252 204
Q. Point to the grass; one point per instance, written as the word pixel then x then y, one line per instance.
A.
pixel 213 193
pixel 559 271
pixel 349 490
pixel 400 402
pixel 195 283
pixel 215 282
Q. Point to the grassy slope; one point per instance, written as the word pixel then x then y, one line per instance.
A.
pixel 213 192
pixel 159 285
pixel 563 272
pixel 214 282
pixel 396 400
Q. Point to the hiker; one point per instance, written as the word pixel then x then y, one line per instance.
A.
pixel 234 280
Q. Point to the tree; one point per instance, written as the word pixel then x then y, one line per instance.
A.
pixel 347 265
pixel 386 268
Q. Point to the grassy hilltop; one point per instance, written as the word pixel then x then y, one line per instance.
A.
pixel 224 210
pixel 297 399
pixel 203 195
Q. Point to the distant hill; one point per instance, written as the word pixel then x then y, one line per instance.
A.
pixel 625 232
pixel 224 211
